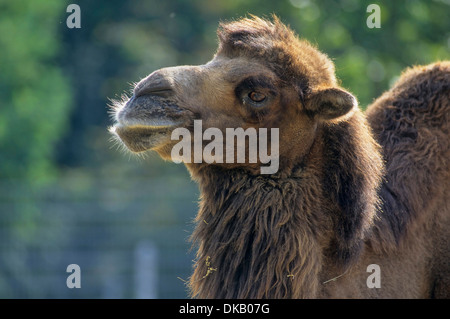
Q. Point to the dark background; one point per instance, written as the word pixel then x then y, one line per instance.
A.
pixel 68 195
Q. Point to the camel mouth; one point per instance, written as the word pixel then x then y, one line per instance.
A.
pixel 146 122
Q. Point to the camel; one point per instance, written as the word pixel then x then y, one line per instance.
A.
pixel 360 204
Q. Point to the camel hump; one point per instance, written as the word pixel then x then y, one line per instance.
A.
pixel 418 100
pixel 411 122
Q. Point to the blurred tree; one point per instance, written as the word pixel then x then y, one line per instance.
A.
pixel 369 60
pixel 34 93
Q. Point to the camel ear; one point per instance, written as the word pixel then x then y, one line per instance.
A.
pixel 330 103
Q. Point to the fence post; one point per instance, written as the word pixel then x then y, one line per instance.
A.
pixel 146 270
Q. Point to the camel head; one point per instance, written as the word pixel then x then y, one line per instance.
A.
pixel 262 76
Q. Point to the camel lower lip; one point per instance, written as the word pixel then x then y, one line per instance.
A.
pixel 139 138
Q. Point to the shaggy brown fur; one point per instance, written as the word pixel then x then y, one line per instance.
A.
pixel 332 209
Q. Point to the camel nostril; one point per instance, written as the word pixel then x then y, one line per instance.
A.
pixel 154 84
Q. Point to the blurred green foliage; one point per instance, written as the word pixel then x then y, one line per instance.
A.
pixel 34 93
pixel 63 186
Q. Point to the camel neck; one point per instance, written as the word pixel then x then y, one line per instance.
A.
pixel 256 235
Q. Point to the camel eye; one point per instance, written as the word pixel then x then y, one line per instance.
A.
pixel 256 96
pixel 256 93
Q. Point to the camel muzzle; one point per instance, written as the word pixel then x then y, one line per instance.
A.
pixel 149 116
